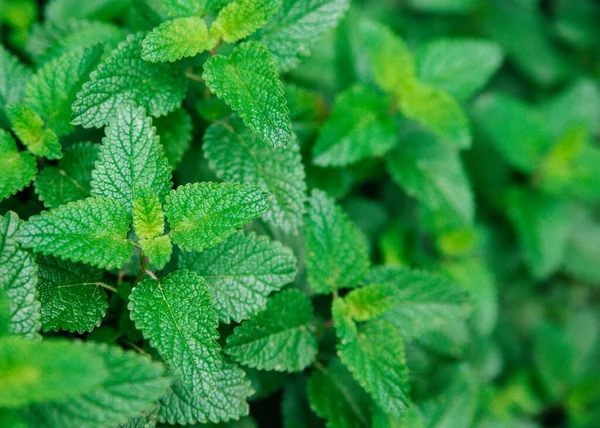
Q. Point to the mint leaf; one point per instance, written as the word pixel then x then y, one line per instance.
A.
pixel 125 76
pixel 179 8
pixel 248 82
pixel 241 272
pixel 18 280
pixel 31 130
pixel 238 155
pixel 241 18
pixel 297 26
pixel 52 89
pixel 13 79
pixel 359 127
pixel 337 254
pixel 175 314
pixel 148 216
pixel 70 181
pixel 130 154
pixel 278 338
pixel 71 295
pixel 132 386
pixel 175 131
pixel 20 168
pixel 45 371
pixel 158 250
pixel 176 39
pixel 203 214
pixel 92 231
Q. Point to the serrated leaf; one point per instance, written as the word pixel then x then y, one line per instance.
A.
pixel 335 396
pixel 278 338
pixel 203 214
pixel 34 372
pixel 336 251
pixel 125 76
pixel 295 28
pixel 175 314
pixel 238 155
pixel 148 216
pixel 133 385
pixel 241 18
pixel 226 402
pixel 582 256
pixel 71 295
pixel 32 131
pixel 175 131
pixel 13 78
pixel 461 67
pixel 241 272
pixel 19 168
pixel 52 89
pixel 176 39
pixel 131 154
pixel 70 181
pixel 158 250
pixel 18 280
pixel 433 173
pixel 92 231
pixel 359 127
pixel 248 82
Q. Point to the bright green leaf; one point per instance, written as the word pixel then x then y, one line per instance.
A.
pixel 158 250
pixel 148 216
pixel 240 18
pixel 19 168
pixel 13 79
pixel 32 131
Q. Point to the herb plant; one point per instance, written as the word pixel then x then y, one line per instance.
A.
pixel 299 213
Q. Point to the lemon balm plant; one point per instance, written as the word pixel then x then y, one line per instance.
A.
pixel 298 213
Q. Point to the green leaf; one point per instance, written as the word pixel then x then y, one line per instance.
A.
pixel 334 395
pixel 297 26
pixel 13 78
pixel 226 402
pixel 437 111
pixel 125 76
pixel 158 250
pixel 19 168
pixel 18 280
pixel 131 154
pixel 433 173
pixel 248 82
pixel 582 255
pixel 554 358
pixel 148 216
pixel 176 39
pixel 443 6
pixel 516 130
pixel 241 272
pixel 336 251
pixel 241 18
pixel 59 10
pixel 92 231
pixel 278 338
pixel 52 89
pixel 238 155
pixel 175 314
pixel 175 131
pixel 203 214
pixel 133 385
pixel 70 181
pixel 34 372
pixel 31 130
pixel 182 8
pixel 461 67
pixel 71 295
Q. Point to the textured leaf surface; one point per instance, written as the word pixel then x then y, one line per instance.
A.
pixel 359 127
pixel 125 76
pixel 32 132
pixel 70 180
pixel 226 402
pixel 71 296
pixel 19 168
pixel 241 273
pixel 158 250
pixel 175 314
pixel 53 369
pixel 148 216
pixel 203 214
pixel 241 18
pixel 238 155
pixel 52 89
pixel 461 67
pixel 176 39
pixel 337 254
pixel 92 231
pixel 248 82
pixel 433 173
pixel 175 131
pixel 18 279
pixel 133 385
pixel 278 338
pixel 295 28
pixel 13 79
pixel 131 154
